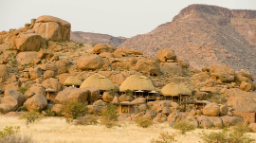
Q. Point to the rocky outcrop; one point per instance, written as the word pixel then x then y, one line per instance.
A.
pixel 52 28
pixel 52 83
pixel 26 57
pixel 37 102
pixel 211 109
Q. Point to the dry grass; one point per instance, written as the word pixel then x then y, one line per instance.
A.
pixel 56 130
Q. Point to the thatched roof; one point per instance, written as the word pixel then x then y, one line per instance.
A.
pixel 73 80
pixel 137 82
pixel 98 81
pixel 175 90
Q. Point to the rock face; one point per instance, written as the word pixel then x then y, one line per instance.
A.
pixel 52 28
pixel 149 67
pixel 37 102
pixel 26 57
pixel 72 94
pixel 211 110
pixel 202 45
pixel 28 42
pixel 100 48
pixel 94 94
pixel 89 62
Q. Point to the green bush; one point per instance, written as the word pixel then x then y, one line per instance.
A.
pixel 31 116
pixel 49 112
pixel 75 109
pixel 129 92
pixel 113 92
pixel 109 116
pixel 87 120
pixel 164 137
pixel 184 127
pixel 143 122
pixel 22 90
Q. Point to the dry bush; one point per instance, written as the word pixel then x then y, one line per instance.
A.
pixel 75 109
pixel 184 127
pixel 110 116
pixel 143 122
pixel 31 116
pixel 237 135
pixel 164 137
pixel 16 138
pixel 87 120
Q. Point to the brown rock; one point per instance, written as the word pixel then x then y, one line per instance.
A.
pixel 125 97
pixel 230 120
pixel 89 62
pixel 28 42
pixel 52 28
pixel 26 57
pixel 57 108
pixel 204 122
pixel 172 68
pixel 139 100
pixel 211 109
pixel 94 94
pixel 223 110
pixel 252 126
pixel 49 74
pixel 63 65
pixel 13 98
pixel 100 48
pixel 72 94
pixel 107 97
pixel 149 67
pixel 34 91
pixel 44 54
pixel 166 54
pixel 245 86
pixel 48 66
pixel 216 121
pixel 37 102
pixel 52 84
pixel 224 73
pixel 115 100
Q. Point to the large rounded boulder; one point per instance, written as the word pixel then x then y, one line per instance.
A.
pixel 37 102
pixel 28 42
pixel 52 83
pixel 13 98
pixel 90 62
pixel 166 54
pixel 211 109
pixel 52 28
pixel 72 94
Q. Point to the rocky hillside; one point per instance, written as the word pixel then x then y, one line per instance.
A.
pixel 205 35
pixel 95 38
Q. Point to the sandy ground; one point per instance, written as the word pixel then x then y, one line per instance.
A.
pixel 56 130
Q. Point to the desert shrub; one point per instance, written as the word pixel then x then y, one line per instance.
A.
pixel 113 92
pixel 31 116
pixel 109 116
pixel 237 135
pixel 16 138
pixel 129 92
pixel 164 137
pixel 87 120
pixel 8 130
pixel 94 44
pixel 143 122
pixel 22 90
pixel 75 109
pixel 184 127
pixel 49 112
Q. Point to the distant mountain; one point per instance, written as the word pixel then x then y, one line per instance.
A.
pixel 94 38
pixel 205 35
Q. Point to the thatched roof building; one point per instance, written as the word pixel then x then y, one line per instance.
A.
pixel 99 81
pixel 73 80
pixel 175 90
pixel 137 82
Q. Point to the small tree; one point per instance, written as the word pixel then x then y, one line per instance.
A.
pixel 113 92
pixel 109 116
pixel 143 122
pixel 184 127
pixel 75 109
pixel 22 90
pixel 31 116
pixel 129 92
pixel 164 137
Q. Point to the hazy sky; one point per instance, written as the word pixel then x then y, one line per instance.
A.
pixel 125 18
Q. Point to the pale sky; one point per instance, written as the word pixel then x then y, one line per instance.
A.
pixel 126 18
